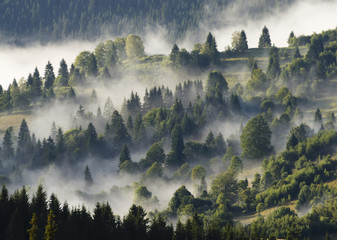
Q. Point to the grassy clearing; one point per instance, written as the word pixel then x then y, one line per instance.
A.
pixel 248 219
pixel 12 119
pixel 332 184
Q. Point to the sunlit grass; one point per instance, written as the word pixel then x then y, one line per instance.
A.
pixel 12 119
pixel 248 219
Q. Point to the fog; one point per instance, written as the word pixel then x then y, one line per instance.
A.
pixel 305 17
pixel 109 186
pixel 18 62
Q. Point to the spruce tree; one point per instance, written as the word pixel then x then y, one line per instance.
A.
pixel 49 76
pixel 273 70
pixel 33 231
pixel 297 53
pixel 92 139
pixel 264 41
pixel 24 146
pixel 51 227
pixel 39 206
pixel 63 73
pixel 87 177
pixel 124 156
pixel 7 144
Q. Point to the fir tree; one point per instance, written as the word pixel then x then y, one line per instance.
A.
pixel 51 227
pixel 124 156
pixel 7 144
pixel 33 231
pixel 49 76
pixel 264 41
pixel 87 177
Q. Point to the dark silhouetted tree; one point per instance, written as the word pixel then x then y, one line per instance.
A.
pixel 87 177
pixel 264 41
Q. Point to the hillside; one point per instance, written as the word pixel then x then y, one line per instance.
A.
pixel 200 144
pixel 45 21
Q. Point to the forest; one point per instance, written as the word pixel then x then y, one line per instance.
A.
pixel 199 144
pixel 45 21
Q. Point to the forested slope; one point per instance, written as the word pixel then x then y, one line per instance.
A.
pixel 88 19
pixel 198 136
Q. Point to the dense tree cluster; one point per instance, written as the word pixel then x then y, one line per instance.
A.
pixel 88 19
pixel 174 128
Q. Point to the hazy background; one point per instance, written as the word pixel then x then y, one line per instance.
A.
pixel 304 17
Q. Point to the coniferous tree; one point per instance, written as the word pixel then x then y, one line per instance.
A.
pixel 55 206
pixel 5 211
pixel 117 132
pixel 135 224
pixel 216 88
pixel 71 93
pixel 63 74
pixel 15 228
pixel 49 76
pixel 7 144
pixel 92 139
pixel 60 143
pixel 53 131
pixel 37 84
pixel 159 230
pixel 92 65
pixel 108 109
pixel 33 231
pixel 239 41
pixel 174 53
pixel 139 130
pixel 236 164
pixel 124 156
pixel 290 40
pixel 87 177
pixel 297 53
pixel 264 41
pixel 273 70
pixel 105 223
pixel 24 146
pixel 176 156
pixel 51 227
pixel 210 49
pixel 39 206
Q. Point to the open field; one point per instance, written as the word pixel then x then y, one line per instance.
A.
pixel 248 219
pixel 12 119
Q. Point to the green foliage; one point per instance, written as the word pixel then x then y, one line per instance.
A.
pixel 264 40
pixel 198 176
pixel 256 138
pixel 51 227
pixel 7 144
pixel 236 164
pixel 216 88
pixel 142 194
pixel 273 70
pixel 175 157
pixel 154 154
pixel 134 46
pixel 239 41
pixel 155 171
pixel 124 156
pixel 225 183
pixel 33 231
pixel 258 82
pixel 180 199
